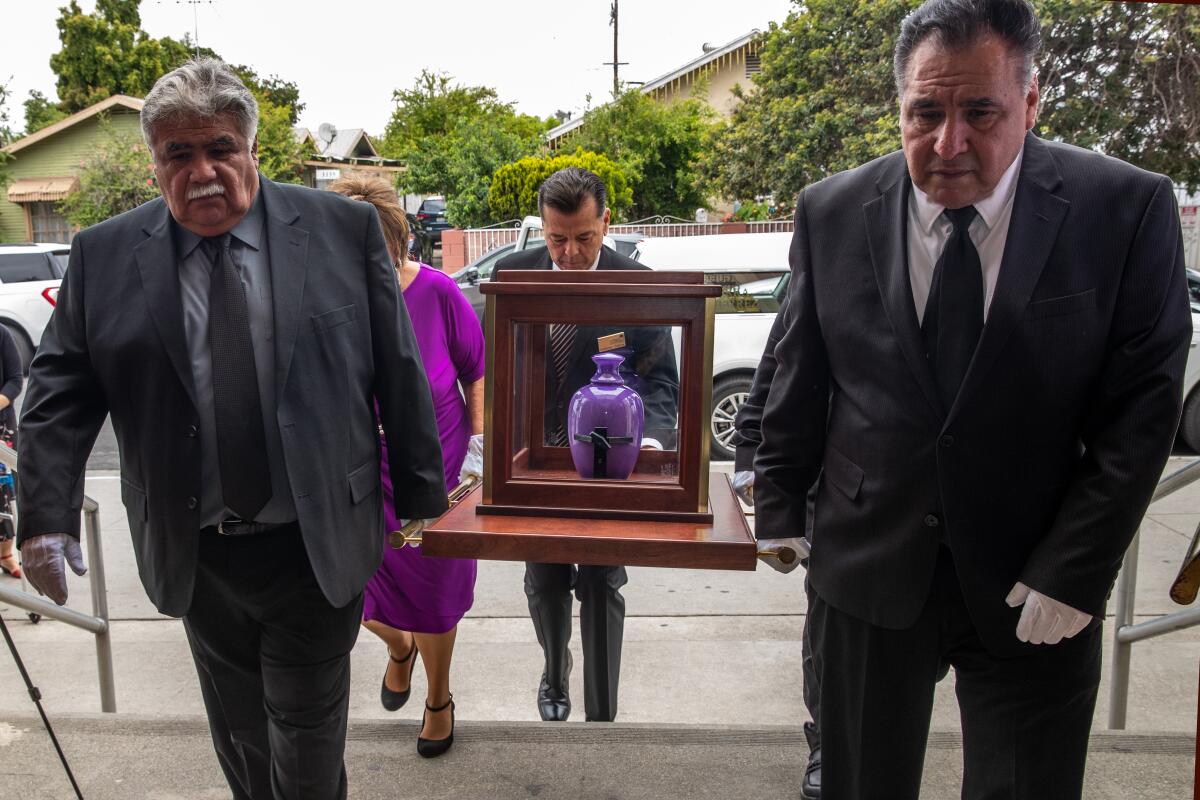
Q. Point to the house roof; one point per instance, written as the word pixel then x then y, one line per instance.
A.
pixel 347 143
pixel 123 101
pixel 696 64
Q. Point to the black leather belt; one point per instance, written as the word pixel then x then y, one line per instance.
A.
pixel 241 527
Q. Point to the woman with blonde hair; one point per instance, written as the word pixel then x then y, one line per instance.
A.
pixel 414 602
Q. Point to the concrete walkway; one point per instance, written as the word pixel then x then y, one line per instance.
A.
pixel 705 709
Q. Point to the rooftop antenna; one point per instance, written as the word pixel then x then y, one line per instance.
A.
pixel 195 19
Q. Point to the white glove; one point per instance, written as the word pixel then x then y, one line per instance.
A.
pixel 1044 620
pixel 743 486
pixel 473 464
pixel 42 559
pixel 783 555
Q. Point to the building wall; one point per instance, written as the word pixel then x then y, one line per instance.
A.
pixel 56 156
pixel 719 77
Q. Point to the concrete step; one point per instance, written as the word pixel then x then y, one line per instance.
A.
pixel 130 757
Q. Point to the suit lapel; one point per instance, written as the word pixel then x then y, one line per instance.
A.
pixel 887 234
pixel 288 250
pixel 159 269
pixel 1037 215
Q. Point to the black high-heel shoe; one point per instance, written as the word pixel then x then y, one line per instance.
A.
pixel 432 748
pixel 394 701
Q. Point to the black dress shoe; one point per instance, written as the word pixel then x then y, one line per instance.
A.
pixel 432 748
pixel 554 705
pixel 394 701
pixel 810 787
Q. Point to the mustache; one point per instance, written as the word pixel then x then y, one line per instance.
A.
pixel 207 190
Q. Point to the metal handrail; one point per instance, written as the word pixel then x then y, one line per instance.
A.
pixel 1125 632
pixel 97 623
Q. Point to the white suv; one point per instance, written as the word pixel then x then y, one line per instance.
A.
pixel 29 279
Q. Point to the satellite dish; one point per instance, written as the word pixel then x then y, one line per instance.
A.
pixel 326 133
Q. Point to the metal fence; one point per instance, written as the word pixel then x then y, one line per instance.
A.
pixel 97 623
pixel 481 240
pixel 1125 632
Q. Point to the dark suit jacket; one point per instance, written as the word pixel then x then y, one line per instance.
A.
pixel 1044 466
pixel 12 376
pixel 649 367
pixel 115 345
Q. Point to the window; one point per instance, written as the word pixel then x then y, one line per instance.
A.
pixel 47 224
pixel 753 64
pixel 21 267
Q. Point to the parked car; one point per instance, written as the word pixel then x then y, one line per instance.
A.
pixel 753 269
pixel 432 214
pixel 469 277
pixel 420 240
pixel 29 279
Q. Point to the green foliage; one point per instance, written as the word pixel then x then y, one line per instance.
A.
pixel 117 177
pixel 658 146
pixel 825 100
pixel 1122 78
pixel 40 111
pixel 452 138
pixel 514 187
pixel 6 134
pixel 107 53
pixel 752 212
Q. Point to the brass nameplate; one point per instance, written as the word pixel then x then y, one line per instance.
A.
pixel 610 342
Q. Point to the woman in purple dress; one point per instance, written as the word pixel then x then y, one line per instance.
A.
pixel 414 602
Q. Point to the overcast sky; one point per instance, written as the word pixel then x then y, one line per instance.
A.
pixel 348 57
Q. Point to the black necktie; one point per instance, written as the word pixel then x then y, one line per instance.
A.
pixel 241 440
pixel 954 311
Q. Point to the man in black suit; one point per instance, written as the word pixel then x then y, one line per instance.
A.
pixel 983 366
pixel 573 205
pixel 241 334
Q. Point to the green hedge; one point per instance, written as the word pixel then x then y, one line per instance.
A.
pixel 514 189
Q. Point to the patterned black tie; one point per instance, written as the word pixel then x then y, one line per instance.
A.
pixel 954 311
pixel 241 440
pixel 562 339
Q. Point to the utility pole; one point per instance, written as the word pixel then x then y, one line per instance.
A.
pixel 195 19
pixel 617 63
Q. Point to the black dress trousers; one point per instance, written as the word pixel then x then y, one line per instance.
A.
pixel 273 658
pixel 1025 720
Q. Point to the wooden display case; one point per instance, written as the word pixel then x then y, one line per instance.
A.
pixel 533 505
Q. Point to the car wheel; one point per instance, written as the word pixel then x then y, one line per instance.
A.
pixel 728 396
pixel 1189 425
pixel 24 347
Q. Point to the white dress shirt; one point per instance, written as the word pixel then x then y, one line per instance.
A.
pixel 928 232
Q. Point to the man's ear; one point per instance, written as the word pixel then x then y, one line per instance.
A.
pixel 607 216
pixel 254 149
pixel 1031 102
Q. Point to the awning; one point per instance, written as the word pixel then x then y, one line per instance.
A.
pixel 32 190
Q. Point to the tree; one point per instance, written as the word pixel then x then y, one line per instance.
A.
pixel 280 156
pixel 40 111
pixel 658 147
pixel 107 53
pixel 6 134
pixel 117 177
pixel 1122 78
pixel 452 138
pixel 514 187
pixel 824 101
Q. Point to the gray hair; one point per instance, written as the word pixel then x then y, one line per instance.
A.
pixel 565 191
pixel 961 23
pixel 204 88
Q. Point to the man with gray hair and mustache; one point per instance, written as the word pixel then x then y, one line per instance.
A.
pixel 243 336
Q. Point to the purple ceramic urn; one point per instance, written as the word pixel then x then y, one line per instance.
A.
pixel 604 423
